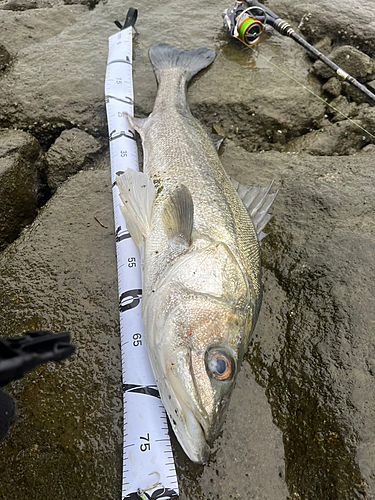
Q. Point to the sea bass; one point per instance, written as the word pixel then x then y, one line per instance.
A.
pixel 200 253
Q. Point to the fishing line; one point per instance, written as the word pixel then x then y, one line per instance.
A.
pixel 312 92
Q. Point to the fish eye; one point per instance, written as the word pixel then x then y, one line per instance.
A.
pixel 219 364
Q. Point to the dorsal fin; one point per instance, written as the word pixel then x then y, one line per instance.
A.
pixel 257 202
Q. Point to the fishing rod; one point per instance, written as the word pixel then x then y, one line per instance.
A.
pixel 246 23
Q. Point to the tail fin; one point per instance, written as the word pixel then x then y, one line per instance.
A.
pixel 164 56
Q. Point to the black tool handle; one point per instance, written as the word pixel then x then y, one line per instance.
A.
pixel 21 354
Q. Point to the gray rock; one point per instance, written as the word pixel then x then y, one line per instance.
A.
pixel 19 30
pixel 73 150
pixel 324 46
pixel 333 86
pixel 59 81
pixel 19 153
pixel 347 22
pixel 90 3
pixel 367 115
pixel 341 138
pixel 343 109
pixel 61 275
pixel 314 345
pixel 4 57
pixel 24 5
pixel 353 93
pixel 19 5
pixel 368 150
pixel 354 62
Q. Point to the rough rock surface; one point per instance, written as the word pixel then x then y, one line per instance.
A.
pixel 22 29
pixel 349 22
pixel 342 109
pixel 313 349
pixel 232 470
pixel 61 275
pixel 341 138
pixel 333 86
pixel 4 57
pixel 353 61
pixel 59 81
pixel 314 346
pixel 72 151
pixel 66 93
pixel 19 153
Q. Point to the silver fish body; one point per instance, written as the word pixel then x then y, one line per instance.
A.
pixel 201 261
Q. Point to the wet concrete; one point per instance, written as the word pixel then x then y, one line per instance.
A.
pixel 301 419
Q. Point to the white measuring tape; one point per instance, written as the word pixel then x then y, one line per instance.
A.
pixel 148 465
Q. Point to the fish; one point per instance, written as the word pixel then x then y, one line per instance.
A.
pixel 198 234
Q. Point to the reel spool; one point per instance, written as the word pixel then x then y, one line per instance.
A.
pixel 244 25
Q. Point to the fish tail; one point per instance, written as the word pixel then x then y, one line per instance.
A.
pixel 164 56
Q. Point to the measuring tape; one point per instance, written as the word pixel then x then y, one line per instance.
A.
pixel 148 465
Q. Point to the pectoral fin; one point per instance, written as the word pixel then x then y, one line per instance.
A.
pixel 178 216
pixel 257 202
pixel 137 193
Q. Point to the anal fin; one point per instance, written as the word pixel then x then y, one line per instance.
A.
pixel 257 202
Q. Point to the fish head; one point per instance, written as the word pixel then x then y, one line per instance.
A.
pixel 195 362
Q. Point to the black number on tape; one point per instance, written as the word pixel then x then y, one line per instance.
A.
pixel 130 299
pixel 145 446
pixel 137 339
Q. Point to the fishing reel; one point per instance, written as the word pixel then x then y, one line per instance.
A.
pixel 245 23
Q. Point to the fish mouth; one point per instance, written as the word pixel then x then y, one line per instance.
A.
pixel 190 423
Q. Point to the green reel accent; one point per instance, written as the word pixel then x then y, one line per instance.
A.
pixel 243 28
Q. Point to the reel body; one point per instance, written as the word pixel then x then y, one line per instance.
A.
pixel 245 23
